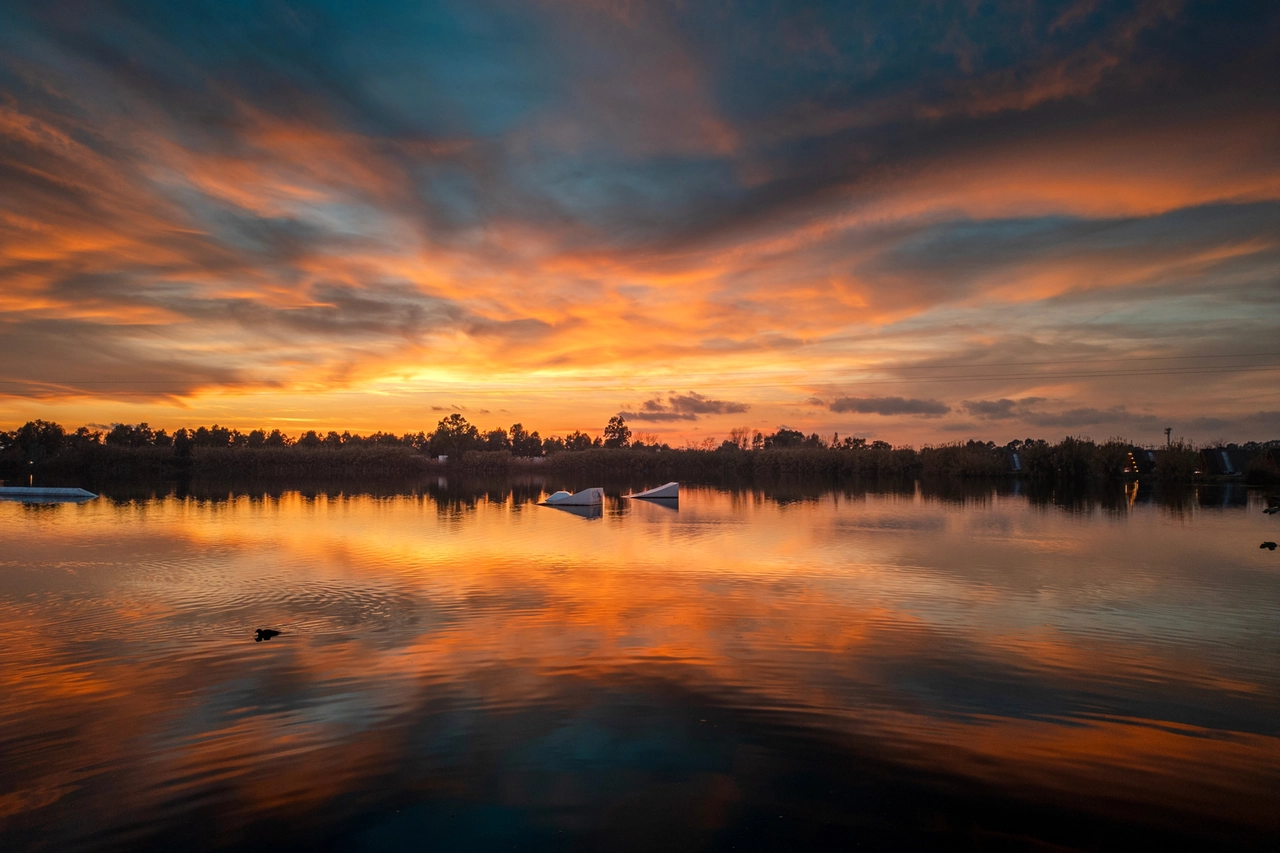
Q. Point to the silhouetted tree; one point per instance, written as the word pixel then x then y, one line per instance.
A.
pixel 741 438
pixel 124 435
pixel 525 443
pixel 38 440
pixel 533 444
pixel 309 439
pixel 784 438
pixel 496 439
pixel 454 436
pixel 617 433
pixel 182 444
pixel 119 435
pixel 579 441
pixel 257 438
pixel 214 436
pixel 84 437
pixel 276 439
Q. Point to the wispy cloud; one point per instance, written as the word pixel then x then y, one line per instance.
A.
pixel 283 209
pixel 1028 410
pixel 1266 420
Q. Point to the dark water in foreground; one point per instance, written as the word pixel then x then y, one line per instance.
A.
pixel 807 671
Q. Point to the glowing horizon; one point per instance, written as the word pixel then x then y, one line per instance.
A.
pixel 916 225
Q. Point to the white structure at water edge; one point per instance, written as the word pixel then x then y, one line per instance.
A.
pixel 586 497
pixel 38 494
pixel 670 491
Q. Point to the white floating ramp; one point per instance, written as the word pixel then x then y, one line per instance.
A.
pixel 671 491
pixel 586 497
pixel 40 494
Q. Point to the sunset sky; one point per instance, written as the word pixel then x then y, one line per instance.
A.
pixel 921 222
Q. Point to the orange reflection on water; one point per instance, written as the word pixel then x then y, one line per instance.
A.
pixel 1093 659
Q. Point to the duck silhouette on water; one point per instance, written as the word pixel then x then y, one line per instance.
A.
pixel 1270 546
pixel 264 634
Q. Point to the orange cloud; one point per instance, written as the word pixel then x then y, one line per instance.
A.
pixel 643 224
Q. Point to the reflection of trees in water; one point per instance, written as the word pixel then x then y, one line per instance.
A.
pixel 35 508
pixel 1181 500
pixel 1177 498
pixel 1110 497
pixel 459 494
pixel 1222 495
pixel 256 490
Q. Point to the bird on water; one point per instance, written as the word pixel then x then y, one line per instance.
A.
pixel 264 634
pixel 1270 546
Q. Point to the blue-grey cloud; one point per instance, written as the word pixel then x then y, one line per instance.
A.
pixel 889 406
pixel 999 409
pixel 330 185
pixel 1090 416
pixel 1266 420
pixel 1030 411
pixel 992 409
pixel 683 407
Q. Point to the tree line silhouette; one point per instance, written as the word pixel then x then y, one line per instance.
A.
pixel 137 449
pixel 453 436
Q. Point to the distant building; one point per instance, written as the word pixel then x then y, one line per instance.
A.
pixel 1224 462
pixel 1144 461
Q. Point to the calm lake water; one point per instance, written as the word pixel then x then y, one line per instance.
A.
pixel 795 669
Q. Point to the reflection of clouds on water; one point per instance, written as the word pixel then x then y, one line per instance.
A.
pixel 557 671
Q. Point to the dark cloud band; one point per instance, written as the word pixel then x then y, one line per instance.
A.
pixel 889 406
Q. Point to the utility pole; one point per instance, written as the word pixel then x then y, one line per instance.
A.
pixel 1168 431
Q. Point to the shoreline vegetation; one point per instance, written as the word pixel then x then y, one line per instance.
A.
pixel 47 450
